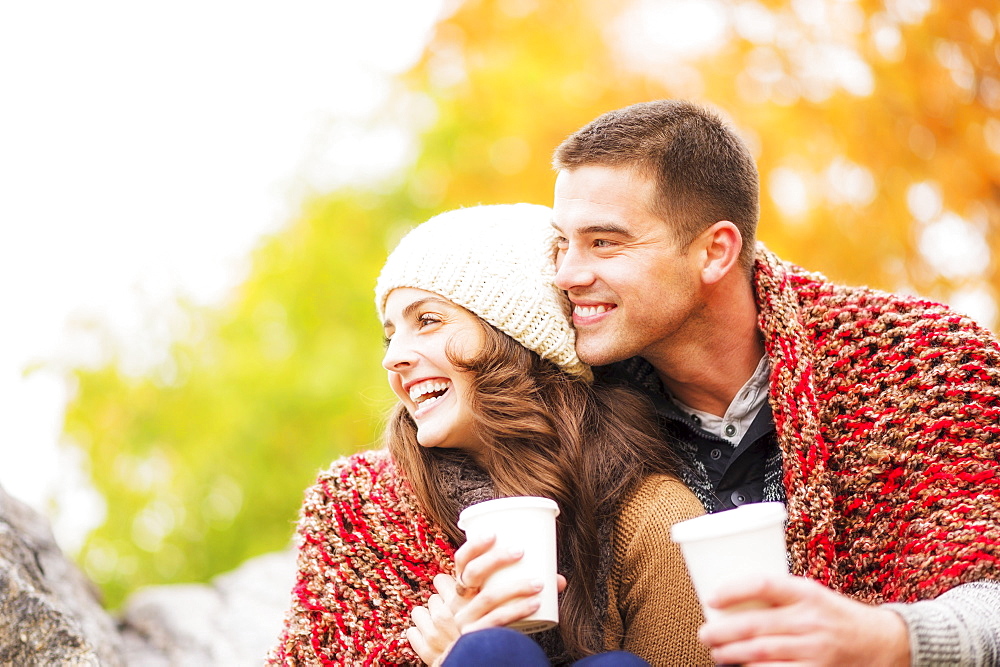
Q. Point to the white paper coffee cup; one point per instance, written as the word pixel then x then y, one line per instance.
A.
pixel 527 523
pixel 726 546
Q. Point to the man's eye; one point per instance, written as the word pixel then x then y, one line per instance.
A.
pixel 602 243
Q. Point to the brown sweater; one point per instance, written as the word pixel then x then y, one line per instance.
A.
pixel 367 556
pixel 654 611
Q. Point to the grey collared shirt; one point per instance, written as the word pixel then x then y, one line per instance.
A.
pixel 740 414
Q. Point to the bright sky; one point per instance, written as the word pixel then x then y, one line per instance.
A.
pixel 144 149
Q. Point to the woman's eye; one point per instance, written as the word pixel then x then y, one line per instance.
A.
pixel 427 320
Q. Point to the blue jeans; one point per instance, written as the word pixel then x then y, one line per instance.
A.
pixel 503 647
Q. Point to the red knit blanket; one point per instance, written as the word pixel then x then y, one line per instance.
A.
pixel 367 557
pixel 887 411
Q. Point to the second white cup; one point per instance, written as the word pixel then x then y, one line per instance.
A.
pixel 726 546
pixel 527 523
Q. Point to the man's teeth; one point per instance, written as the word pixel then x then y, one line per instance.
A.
pixel 421 393
pixel 587 311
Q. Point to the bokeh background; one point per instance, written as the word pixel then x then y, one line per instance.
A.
pixel 197 197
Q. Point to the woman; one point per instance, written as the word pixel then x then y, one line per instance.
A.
pixel 493 402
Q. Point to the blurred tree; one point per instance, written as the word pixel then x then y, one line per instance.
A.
pixel 876 124
pixel 876 128
pixel 202 460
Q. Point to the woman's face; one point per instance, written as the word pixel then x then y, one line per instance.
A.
pixel 420 327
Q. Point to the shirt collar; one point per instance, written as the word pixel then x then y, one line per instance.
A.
pixel 740 414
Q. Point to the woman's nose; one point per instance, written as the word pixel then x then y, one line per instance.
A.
pixel 397 354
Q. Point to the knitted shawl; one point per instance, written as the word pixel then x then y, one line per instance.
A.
pixel 366 557
pixel 887 414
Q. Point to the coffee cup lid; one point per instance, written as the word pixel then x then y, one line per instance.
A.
pixel 741 519
pixel 503 504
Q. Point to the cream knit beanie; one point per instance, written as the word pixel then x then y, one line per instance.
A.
pixel 495 261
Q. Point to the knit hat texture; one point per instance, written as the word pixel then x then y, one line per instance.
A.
pixel 495 261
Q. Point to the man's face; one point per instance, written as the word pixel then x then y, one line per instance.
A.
pixel 632 285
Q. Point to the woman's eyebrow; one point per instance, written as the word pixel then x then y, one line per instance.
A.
pixel 410 309
pixel 420 303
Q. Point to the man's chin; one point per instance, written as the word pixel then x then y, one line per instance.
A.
pixel 593 353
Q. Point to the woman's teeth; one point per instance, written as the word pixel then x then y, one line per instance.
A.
pixel 425 392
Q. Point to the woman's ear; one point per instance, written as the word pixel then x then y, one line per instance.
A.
pixel 722 243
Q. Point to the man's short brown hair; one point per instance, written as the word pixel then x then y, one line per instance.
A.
pixel 703 171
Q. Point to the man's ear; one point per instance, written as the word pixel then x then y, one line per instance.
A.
pixel 722 243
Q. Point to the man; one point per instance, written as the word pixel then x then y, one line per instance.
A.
pixel 875 417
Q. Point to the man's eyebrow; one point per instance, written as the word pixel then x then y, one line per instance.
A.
pixel 602 228
pixel 607 228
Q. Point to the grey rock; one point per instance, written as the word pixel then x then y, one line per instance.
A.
pixel 232 621
pixel 50 613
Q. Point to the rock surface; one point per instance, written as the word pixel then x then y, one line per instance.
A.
pixel 50 613
pixel 234 620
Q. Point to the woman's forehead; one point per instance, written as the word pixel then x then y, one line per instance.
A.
pixel 403 297
pixel 406 301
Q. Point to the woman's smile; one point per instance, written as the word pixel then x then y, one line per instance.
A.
pixel 425 394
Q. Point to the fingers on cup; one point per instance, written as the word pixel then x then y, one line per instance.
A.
pixel 494 597
pixel 505 614
pixel 473 549
pixel 476 572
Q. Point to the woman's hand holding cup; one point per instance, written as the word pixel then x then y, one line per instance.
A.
pixel 448 615
pixel 486 602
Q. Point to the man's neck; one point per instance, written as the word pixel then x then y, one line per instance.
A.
pixel 708 368
pixel 713 388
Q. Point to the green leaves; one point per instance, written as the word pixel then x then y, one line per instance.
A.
pixel 206 470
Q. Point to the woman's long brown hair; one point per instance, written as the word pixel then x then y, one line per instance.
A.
pixel 549 434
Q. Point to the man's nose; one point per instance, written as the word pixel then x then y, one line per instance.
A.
pixel 572 270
